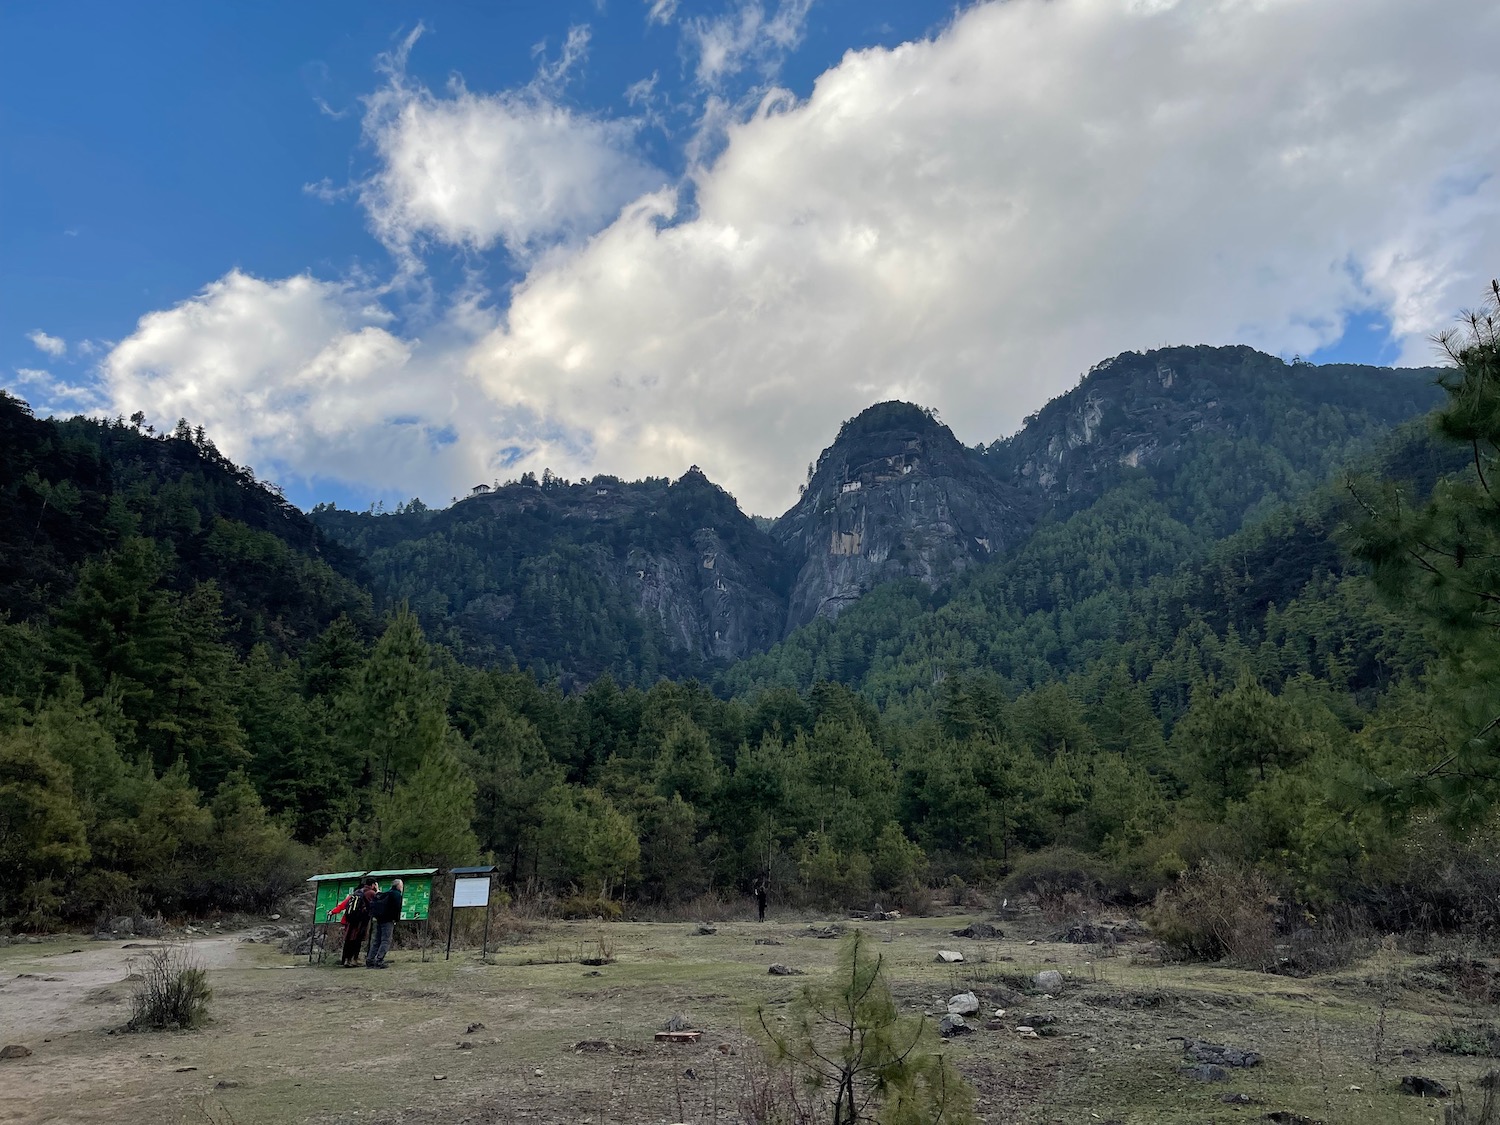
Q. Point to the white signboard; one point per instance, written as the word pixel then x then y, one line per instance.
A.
pixel 471 892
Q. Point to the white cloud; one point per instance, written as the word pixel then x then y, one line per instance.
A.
pixel 746 36
pixel 972 221
pixel 47 394
pixel 660 11
pixel 48 345
pixel 303 378
pixel 515 168
pixel 968 221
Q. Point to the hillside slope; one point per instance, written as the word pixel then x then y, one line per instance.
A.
pixel 71 490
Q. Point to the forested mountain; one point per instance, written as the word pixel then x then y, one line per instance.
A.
pixel 70 490
pixel 1223 432
pixel 642 578
pixel 653 578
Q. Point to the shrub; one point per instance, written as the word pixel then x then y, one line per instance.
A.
pixel 1060 880
pixel 589 906
pixel 1486 1113
pixel 1481 1039
pixel 172 990
pixel 1217 912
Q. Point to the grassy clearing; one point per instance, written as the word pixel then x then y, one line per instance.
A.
pixel 292 1042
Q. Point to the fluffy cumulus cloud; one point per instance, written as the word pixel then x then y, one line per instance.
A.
pixel 515 168
pixel 302 378
pixel 968 221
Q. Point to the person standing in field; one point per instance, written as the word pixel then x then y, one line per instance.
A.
pixel 385 912
pixel 760 899
pixel 356 921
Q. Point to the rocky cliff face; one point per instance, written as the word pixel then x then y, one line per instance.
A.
pixel 895 496
pixel 1176 411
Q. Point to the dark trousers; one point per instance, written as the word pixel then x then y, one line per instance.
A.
pixel 354 937
pixel 382 943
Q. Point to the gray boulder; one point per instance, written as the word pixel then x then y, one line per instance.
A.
pixel 1217 1054
pixel 964 1004
pixel 949 956
pixel 1048 980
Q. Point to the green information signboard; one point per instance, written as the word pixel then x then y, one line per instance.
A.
pixel 416 893
pixel 332 893
pixel 332 890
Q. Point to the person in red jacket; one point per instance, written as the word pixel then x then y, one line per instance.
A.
pixel 356 921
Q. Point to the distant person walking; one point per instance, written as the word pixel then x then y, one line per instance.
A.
pixel 385 912
pixel 356 921
pixel 760 900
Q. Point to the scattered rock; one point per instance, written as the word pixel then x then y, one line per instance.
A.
pixel 439 1077
pixel 1205 1073
pixel 593 1046
pixel 1424 1087
pixel 964 1004
pixel 995 1025
pixel 14 1051
pixel 705 929
pixel 1236 1099
pixel 949 956
pixel 826 932
pixel 1086 933
pixel 1217 1054
pixel 678 1022
pixel 275 917
pixel 593 973
pixel 1287 1117
pixel 1027 1032
pixel 473 1027
pixel 226 1084
pixel 1049 980
pixel 950 1026
pixel 784 971
pixel 466 1046
pixel 185 1069
pixel 1040 1019
pixel 768 941
pixel 980 931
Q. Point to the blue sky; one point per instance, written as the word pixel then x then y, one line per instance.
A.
pixel 388 249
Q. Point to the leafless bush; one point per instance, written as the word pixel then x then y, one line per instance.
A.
pixel 1331 941
pixel 771 1096
pixel 172 990
pixel 1486 1113
pixel 1217 912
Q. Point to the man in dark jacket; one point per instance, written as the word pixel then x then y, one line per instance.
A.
pixel 385 912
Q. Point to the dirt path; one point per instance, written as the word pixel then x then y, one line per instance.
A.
pixel 52 989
